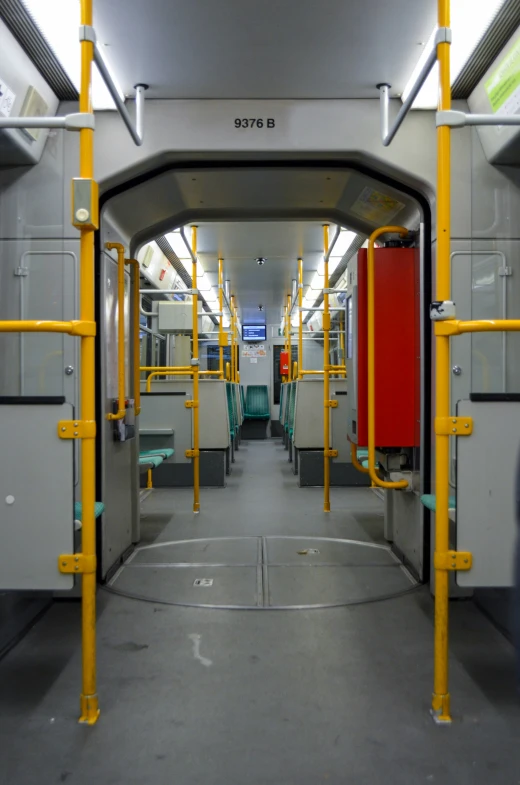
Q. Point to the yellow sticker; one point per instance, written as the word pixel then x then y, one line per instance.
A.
pixel 376 207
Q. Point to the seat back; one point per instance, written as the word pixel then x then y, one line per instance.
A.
pixel 257 402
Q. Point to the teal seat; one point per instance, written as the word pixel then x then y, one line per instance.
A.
pixel 292 409
pixel 154 460
pixel 231 410
pixel 257 402
pixel 362 453
pixel 99 507
pixel 282 392
pixel 242 399
pixel 166 453
pixel 291 391
pixel 430 501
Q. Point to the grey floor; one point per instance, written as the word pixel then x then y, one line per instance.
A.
pixel 232 697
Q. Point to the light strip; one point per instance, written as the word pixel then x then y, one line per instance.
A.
pixel 470 20
pixel 59 22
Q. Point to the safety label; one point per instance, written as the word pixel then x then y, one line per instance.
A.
pixel 503 86
pixel 7 99
pixel 376 207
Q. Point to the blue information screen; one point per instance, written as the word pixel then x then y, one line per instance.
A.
pixel 253 332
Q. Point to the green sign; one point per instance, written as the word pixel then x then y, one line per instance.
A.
pixel 504 82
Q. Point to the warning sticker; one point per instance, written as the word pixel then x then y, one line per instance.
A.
pixel 7 98
pixel 376 207
pixel 503 86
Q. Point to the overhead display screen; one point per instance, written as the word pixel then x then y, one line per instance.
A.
pixel 254 332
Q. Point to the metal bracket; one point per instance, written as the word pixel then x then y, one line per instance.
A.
pixel 79 121
pixel 326 321
pixel 505 272
pixel 453 426
pixel 330 453
pixel 450 327
pixel 77 429
pixel 21 272
pixel 77 563
pixel 191 404
pixel 453 561
pixel 331 404
pixel 192 453
pixel 83 328
pixel 195 362
pixel 87 33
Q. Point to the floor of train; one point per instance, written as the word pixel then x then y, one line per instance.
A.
pixel 227 697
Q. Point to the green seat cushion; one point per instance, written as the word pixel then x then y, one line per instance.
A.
pixel 430 501
pixel 99 507
pixel 166 453
pixel 155 460
pixel 257 402
pixel 362 453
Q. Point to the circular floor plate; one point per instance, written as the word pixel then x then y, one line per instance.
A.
pixel 262 573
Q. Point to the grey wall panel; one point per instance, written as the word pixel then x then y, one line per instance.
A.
pixel 162 412
pixel 119 488
pixel 213 415
pixel 486 516
pixel 37 521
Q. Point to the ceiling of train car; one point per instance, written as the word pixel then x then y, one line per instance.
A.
pixel 268 49
pixel 280 244
pixel 248 212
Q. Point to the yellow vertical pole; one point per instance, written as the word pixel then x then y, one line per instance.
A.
pixel 233 335
pixel 89 700
pixel 286 338
pixel 300 319
pixel 237 339
pixel 289 346
pixel 441 697
pixel 326 375
pixel 221 320
pixel 136 331
pixel 342 359
pixel 121 408
pixel 195 364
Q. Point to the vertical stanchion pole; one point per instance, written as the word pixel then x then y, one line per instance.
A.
pixel 89 699
pixel 195 365
pixel 233 336
pixel 441 697
pixel 221 320
pixel 326 376
pixel 289 345
pixel 300 320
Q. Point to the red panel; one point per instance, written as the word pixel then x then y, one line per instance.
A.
pixel 396 341
pixel 284 363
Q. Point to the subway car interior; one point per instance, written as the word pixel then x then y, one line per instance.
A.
pixel 259 392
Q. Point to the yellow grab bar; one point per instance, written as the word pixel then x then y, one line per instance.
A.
pixel 300 315
pixel 355 463
pixel 136 331
pixel 164 372
pixel 195 359
pixel 121 408
pixel 371 359
pixel 457 327
pixel 228 372
pixel 80 327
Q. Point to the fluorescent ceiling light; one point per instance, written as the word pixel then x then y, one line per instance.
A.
pixel 59 22
pixel 470 20
pixel 343 243
pixel 179 247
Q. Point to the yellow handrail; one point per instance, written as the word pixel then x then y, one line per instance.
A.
pixel 136 331
pixel 289 344
pixel 355 463
pixel 228 372
pixel 300 315
pixel 221 319
pixel 195 359
pixel 371 359
pixel 164 373
pixel 165 368
pixel 326 377
pixel 457 327
pixel 81 327
pixel 311 373
pixel 233 335
pixel 441 697
pixel 121 407
pixel 295 370
pixel 89 698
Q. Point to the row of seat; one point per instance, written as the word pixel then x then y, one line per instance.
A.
pixel 151 459
pixel 257 403
pixel 286 416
